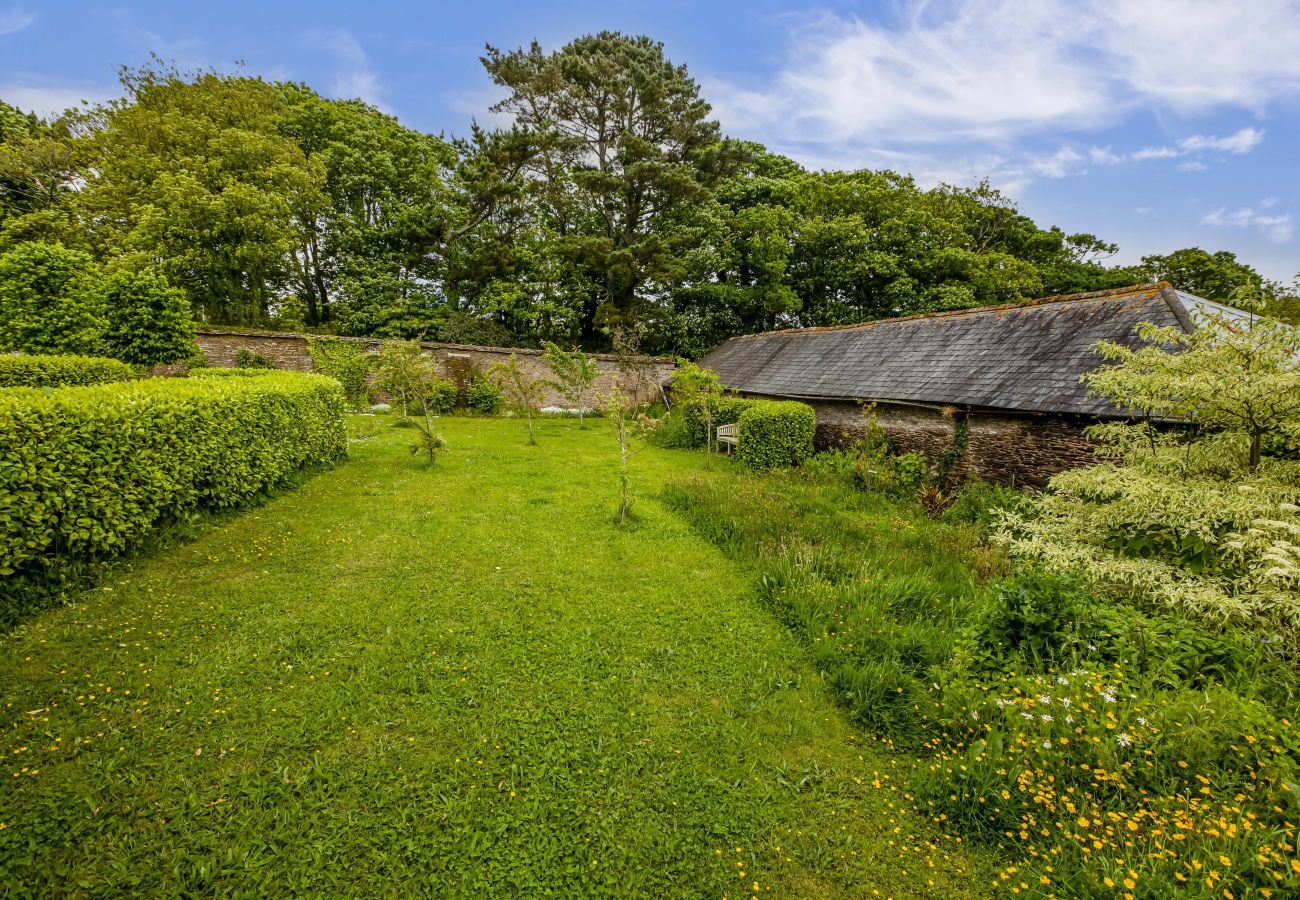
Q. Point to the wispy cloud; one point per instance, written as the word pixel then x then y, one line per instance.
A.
pixel 1278 229
pixel 49 100
pixel 354 77
pixel 1238 142
pixel 997 70
pixel 15 18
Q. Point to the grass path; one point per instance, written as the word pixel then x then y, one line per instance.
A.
pixel 465 682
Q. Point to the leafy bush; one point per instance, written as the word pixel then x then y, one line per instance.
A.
pixel 61 371
pixel 147 322
pixel 51 300
pixel 1029 617
pixel 87 472
pixel 443 395
pixel 246 359
pixel 775 434
pixel 347 362
pixel 56 300
pixel 981 503
pixel 1203 521
pixel 483 395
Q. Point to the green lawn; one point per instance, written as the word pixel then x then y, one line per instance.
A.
pixel 460 682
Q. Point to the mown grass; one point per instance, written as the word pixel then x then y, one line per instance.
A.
pixel 460 682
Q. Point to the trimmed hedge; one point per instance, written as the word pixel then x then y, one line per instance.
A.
pixel 775 433
pixel 61 371
pixel 86 473
pixel 726 411
pixel 221 372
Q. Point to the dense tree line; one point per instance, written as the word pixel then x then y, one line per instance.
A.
pixel 612 203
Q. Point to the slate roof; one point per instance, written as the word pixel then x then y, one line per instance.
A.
pixel 1024 357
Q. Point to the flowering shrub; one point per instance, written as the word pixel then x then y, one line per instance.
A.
pixel 1202 521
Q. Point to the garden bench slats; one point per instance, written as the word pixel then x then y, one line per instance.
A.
pixel 728 434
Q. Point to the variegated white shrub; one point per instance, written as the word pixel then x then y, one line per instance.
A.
pixel 1201 517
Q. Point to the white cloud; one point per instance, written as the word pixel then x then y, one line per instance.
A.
pixel 354 77
pixel 993 70
pixel 1155 153
pixel 15 19
pixel 1278 229
pixel 1239 142
pixel 1242 141
pixel 48 101
pixel 1058 165
pixel 1192 165
pixel 1103 156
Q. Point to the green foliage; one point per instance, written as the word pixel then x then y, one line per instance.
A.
pixel 1194 520
pixel 615 123
pixel 686 426
pixel 347 362
pixel 147 322
pixel 60 371
pixel 981 503
pixel 90 471
pixel 575 372
pixel 774 434
pixel 246 359
pixel 220 372
pixel 483 395
pixel 1029 618
pixel 520 392
pixel 194 171
pixel 442 395
pixel 51 300
pixel 698 389
pixel 951 456
pixel 409 373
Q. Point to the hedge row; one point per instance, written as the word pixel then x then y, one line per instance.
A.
pixel 61 371
pixel 775 433
pixel 220 372
pixel 86 473
pixel 726 411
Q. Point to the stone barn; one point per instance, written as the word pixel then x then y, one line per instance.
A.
pixel 1011 372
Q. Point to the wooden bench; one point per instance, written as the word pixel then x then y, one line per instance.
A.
pixel 728 434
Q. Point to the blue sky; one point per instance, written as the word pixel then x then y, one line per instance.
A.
pixel 1155 124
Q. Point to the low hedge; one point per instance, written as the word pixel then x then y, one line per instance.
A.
pixel 61 371
pixel 222 372
pixel 86 473
pixel 775 433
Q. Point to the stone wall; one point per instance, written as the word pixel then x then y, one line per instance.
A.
pixel 1025 450
pixel 289 351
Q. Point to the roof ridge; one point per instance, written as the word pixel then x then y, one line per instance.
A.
pixel 1164 288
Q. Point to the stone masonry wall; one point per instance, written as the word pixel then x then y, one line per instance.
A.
pixel 1025 450
pixel 289 351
